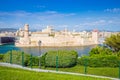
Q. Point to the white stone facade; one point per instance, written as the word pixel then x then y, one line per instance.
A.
pixel 50 38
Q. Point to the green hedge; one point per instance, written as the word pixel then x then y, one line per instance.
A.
pixel 65 58
pixel 101 57
pixel 16 57
pixel 1 57
pixel 100 61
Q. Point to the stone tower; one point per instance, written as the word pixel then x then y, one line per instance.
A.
pixel 95 36
pixel 26 31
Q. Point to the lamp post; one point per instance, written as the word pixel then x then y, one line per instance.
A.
pixel 39 53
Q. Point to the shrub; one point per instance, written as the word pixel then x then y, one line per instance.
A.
pixel 35 61
pixel 65 58
pixel 16 57
pixel 42 59
pixel 101 57
pixel 100 61
pixel 1 57
pixel 100 51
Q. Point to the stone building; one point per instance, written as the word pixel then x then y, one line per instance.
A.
pixel 51 38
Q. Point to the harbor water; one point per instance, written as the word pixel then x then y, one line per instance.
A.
pixel 36 51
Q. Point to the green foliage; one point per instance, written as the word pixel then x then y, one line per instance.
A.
pixel 42 59
pixel 65 58
pixel 36 59
pixel 101 57
pixel 117 53
pixel 100 51
pixel 1 57
pixel 100 61
pixel 16 57
pixel 113 41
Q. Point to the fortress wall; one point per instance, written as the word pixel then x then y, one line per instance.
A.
pixel 58 41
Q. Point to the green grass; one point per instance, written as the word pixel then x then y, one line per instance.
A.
pixel 101 71
pixel 7 73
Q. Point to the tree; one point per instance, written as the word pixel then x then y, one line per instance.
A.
pixel 100 50
pixel 113 42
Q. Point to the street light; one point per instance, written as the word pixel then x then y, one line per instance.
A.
pixel 39 52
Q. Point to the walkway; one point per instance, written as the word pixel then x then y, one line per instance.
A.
pixel 52 71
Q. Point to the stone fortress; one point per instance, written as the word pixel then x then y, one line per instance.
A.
pixel 50 38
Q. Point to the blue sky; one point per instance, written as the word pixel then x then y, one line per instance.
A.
pixel 71 14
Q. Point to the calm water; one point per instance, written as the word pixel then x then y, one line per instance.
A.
pixel 83 50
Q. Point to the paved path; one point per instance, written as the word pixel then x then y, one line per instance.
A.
pixel 53 71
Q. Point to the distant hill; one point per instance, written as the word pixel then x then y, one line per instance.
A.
pixel 8 30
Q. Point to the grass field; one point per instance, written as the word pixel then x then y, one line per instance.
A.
pixel 101 71
pixel 19 74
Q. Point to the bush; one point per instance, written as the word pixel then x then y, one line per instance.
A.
pixel 65 58
pixel 42 59
pixel 100 51
pixel 101 57
pixel 1 57
pixel 100 61
pixel 35 61
pixel 16 57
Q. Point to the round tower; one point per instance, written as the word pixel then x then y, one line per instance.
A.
pixel 26 31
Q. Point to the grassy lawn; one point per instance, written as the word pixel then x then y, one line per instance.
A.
pixel 19 74
pixel 103 71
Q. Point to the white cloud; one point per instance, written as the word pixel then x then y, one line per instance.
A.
pixel 44 16
pixel 15 14
pixel 113 10
pixel 24 13
pixel 94 23
pixel 37 26
pixel 110 21
pixel 62 26
pixel 39 20
pixel 10 25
